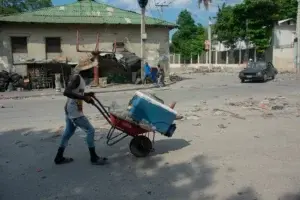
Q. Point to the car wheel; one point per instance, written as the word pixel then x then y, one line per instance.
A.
pixel 273 77
pixel 265 78
pixel 242 80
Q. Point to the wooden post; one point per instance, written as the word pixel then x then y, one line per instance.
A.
pixel 96 75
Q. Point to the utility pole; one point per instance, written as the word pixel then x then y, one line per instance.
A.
pixel 143 4
pixel 298 39
pixel 210 43
pixel 143 40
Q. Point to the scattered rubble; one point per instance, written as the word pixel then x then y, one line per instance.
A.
pixel 247 103
pixel 198 124
pixel 267 115
pixel 277 107
pixel 175 78
pixel 222 126
pixel 269 103
pixel 220 112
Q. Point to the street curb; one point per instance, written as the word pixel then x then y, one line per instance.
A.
pixel 96 92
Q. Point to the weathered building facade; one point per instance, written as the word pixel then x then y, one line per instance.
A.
pixel 49 35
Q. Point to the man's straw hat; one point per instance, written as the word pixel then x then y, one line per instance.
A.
pixel 86 63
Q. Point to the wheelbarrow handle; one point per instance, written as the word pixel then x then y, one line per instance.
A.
pixel 101 108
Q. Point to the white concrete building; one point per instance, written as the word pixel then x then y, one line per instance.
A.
pixel 283 51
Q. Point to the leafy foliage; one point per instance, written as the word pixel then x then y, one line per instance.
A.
pixel 8 7
pixel 252 20
pixel 287 8
pixel 189 37
pixel 226 27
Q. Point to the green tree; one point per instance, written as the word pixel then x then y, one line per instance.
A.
pixel 189 38
pixel 260 24
pixel 225 27
pixel 8 7
pixel 287 8
pixel 252 20
pixel 31 5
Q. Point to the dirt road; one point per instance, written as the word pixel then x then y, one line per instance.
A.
pixel 236 141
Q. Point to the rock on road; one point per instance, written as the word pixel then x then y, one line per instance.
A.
pixel 236 141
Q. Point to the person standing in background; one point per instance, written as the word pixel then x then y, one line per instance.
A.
pixel 161 76
pixel 147 72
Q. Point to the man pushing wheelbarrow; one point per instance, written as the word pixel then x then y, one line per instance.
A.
pixel 75 92
pixel 158 116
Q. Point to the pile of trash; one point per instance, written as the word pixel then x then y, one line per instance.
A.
pixel 6 78
pixel 175 78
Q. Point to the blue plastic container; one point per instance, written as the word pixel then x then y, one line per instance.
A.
pixel 145 108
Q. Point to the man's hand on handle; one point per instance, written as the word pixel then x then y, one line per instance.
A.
pixel 88 98
pixel 91 94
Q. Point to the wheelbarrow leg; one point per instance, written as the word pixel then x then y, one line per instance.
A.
pixel 153 141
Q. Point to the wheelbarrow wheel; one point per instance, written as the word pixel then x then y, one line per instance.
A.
pixel 140 146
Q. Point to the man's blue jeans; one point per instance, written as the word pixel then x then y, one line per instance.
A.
pixel 72 124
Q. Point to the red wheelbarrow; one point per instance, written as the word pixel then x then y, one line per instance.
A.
pixel 123 126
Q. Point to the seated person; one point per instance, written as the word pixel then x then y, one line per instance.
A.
pixel 147 72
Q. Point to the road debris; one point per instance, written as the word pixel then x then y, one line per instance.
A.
pixel 247 103
pixel 198 124
pixel 175 78
pixel 222 126
pixel 267 115
pixel 18 142
pixel 220 112
pixel 277 107
pixel 26 133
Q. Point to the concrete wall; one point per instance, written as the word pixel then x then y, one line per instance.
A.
pixel 284 36
pixel 283 59
pixel 182 68
pixel 157 42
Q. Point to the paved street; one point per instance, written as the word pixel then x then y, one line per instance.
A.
pixel 236 141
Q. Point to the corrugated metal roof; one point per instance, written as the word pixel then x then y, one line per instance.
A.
pixel 83 12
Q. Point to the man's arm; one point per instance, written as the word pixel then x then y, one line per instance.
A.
pixel 73 84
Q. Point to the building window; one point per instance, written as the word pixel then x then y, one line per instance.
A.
pixel 53 45
pixel 19 44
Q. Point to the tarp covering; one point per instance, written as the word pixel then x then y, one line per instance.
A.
pixel 130 61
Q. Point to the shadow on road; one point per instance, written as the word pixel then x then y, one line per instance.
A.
pixel 169 145
pixel 27 170
pixel 290 196
pixel 249 193
pixel 244 194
